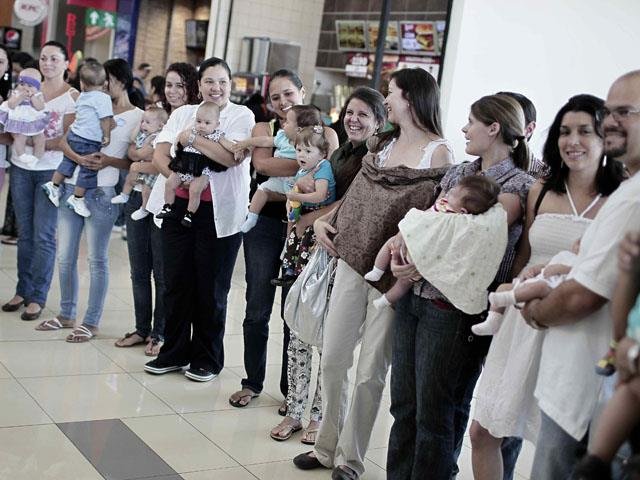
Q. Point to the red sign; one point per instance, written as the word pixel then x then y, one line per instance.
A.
pixel 110 5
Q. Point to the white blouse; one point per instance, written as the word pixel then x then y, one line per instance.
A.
pixel 229 189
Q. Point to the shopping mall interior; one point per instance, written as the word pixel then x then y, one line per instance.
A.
pixel 89 411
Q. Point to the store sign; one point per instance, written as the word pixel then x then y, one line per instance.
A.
pixel 31 12
pixel 100 18
pixel 418 37
pixel 357 65
pixel 11 37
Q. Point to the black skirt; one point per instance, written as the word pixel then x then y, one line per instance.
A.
pixel 193 163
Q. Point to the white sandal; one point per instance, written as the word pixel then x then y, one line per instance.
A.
pixel 80 334
pixel 51 325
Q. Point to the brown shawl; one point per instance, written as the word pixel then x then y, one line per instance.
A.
pixel 374 205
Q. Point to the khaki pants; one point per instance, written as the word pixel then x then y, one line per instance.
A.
pixel 344 434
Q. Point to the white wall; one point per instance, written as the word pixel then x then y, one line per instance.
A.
pixel 548 50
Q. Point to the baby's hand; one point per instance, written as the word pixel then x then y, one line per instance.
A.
pixel 553 270
pixel 530 272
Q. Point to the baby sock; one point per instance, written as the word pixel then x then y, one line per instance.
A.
pixel 122 198
pixel 374 275
pixel 250 222
pixel 490 326
pixel 381 302
pixel 139 214
pixel 503 299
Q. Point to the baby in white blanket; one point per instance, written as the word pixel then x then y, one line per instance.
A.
pixel 474 195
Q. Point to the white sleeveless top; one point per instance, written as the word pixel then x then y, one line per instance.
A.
pixel 425 161
pixel 57 107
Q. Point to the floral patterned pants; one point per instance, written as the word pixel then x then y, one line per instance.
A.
pixel 296 254
pixel 299 373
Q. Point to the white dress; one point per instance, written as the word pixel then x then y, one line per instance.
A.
pixel 505 404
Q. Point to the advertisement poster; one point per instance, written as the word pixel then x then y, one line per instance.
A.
pixel 357 65
pixel 389 65
pixel 430 64
pixel 351 35
pixel 418 37
pixel 391 42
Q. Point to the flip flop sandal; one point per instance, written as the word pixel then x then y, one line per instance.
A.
pixel 307 432
pixel 237 403
pixel 119 343
pixel 289 429
pixel 51 324
pixel 153 347
pixel 80 334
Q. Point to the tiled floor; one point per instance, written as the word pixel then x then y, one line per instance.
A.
pixel 45 381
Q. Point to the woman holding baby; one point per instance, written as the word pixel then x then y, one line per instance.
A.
pixel 559 209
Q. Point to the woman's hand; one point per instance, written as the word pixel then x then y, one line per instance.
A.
pixel 629 253
pixel 135 167
pixel 306 184
pixel 322 230
pixel 92 161
pixel 401 267
pixel 183 136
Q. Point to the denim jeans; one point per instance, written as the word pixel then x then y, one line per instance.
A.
pixel 262 247
pixel 37 220
pixel 98 232
pixel 86 178
pixel 435 364
pixel 557 452
pixel 144 242
pixel 197 269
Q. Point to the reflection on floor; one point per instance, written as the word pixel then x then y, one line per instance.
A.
pixel 88 411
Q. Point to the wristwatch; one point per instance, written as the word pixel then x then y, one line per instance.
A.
pixel 632 358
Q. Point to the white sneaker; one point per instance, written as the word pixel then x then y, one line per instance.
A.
pixel 139 214
pixel 122 198
pixel 52 192
pixel 79 206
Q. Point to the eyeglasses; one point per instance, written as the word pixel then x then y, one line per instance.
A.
pixel 619 113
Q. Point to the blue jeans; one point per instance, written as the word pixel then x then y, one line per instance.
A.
pixel 435 364
pixel 37 219
pixel 86 178
pixel 557 452
pixel 262 247
pixel 98 227
pixel 197 269
pixel 144 242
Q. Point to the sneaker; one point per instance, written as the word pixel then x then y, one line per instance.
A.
pixel 122 198
pixel 166 212
pixel 139 214
pixel 200 375
pixel 187 220
pixel 78 205
pixel 53 193
pixel 156 368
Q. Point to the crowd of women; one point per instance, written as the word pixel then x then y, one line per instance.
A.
pixel 395 158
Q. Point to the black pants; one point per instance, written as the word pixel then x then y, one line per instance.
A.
pixel 262 247
pixel 197 270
